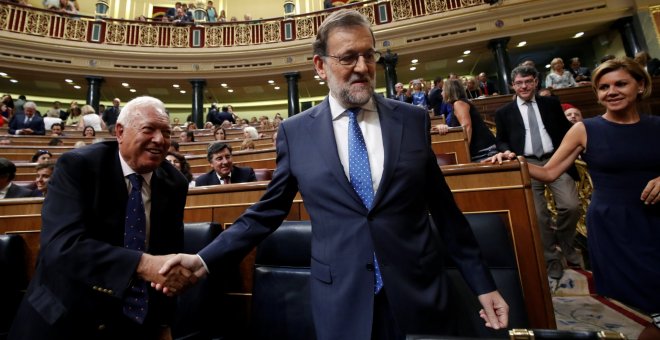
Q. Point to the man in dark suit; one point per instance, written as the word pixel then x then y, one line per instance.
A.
pixel 487 87
pixel 88 273
pixel 226 115
pixel 110 114
pixel 534 126
pixel 27 123
pixel 369 179
pixel 579 73
pixel 7 175
pixel 224 171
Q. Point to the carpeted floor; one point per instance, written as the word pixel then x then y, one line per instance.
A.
pixel 578 308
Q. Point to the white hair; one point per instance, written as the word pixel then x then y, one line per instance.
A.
pixel 133 109
pixel 252 131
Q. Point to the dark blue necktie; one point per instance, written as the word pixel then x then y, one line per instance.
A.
pixel 135 235
pixel 360 174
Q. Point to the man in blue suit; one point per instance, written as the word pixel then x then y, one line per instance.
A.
pixel 27 123
pixel 377 265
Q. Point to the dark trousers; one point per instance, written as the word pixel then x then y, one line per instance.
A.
pixel 384 325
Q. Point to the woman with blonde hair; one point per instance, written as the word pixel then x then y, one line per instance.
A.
pixel 250 132
pixel 559 77
pixel 90 118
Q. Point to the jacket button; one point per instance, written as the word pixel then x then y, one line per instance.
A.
pixel 370 267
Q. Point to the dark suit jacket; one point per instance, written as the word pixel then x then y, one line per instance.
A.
pixel 223 115
pixel 511 128
pixel 17 191
pixel 83 269
pixel 346 235
pixel 238 175
pixel 18 122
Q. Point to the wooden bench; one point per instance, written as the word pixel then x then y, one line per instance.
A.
pixel 504 189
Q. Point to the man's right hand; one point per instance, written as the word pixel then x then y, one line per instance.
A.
pixel 178 279
pixel 193 263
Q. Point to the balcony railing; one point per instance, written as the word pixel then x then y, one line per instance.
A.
pixel 55 25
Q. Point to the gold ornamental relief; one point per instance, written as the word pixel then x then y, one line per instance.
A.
pixel 304 28
pixel 214 36
pixel 467 3
pixel 75 30
pixel 179 36
pixel 436 6
pixel 36 23
pixel 271 32
pixel 4 17
pixel 401 9
pixel 148 36
pixel 242 35
pixel 368 11
pixel 115 33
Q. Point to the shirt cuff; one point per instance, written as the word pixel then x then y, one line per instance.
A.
pixel 204 264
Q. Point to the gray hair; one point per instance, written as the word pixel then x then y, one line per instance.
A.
pixel 524 71
pixel 30 104
pixel 133 109
pixel 342 18
pixel 252 131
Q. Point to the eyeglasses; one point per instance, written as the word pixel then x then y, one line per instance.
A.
pixel 528 82
pixel 370 57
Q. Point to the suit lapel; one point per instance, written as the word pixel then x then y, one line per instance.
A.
pixel 320 129
pixel 391 127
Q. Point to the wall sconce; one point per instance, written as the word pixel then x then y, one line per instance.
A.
pixel 101 9
pixel 289 8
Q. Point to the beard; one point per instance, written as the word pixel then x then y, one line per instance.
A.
pixel 351 95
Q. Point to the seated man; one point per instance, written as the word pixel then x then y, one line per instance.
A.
pixel 27 123
pixel 7 188
pixel 224 171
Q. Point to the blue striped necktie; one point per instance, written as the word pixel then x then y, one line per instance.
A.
pixel 135 236
pixel 360 175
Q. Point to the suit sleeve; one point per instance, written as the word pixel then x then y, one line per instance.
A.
pixel 454 228
pixel 71 246
pixel 13 125
pixel 261 219
pixel 40 128
pixel 502 135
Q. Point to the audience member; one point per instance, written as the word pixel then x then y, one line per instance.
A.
pixel 248 144
pixel 559 78
pixel 7 175
pixel 212 115
pixel 620 147
pixel 55 142
pixel 99 250
pixel 480 139
pixel 171 12
pixel 223 16
pixel 57 129
pixel 541 77
pixel 349 228
pixel 179 161
pixel 580 73
pixel 435 96
pixel 90 118
pixel 211 13
pixel 41 156
pixel 44 171
pixel 487 87
pixel 208 125
pixel 28 122
pixel 62 114
pixel 223 169
pixel 74 116
pixel 191 126
pixel 174 146
pixel 400 93
pixel 472 90
pixel 416 94
pixel 572 113
pixel 651 65
pixel 52 117
pixel 18 104
pixel 544 126
pixel 219 133
pixel 250 132
pixel 110 114
pixel 88 131
pixel 186 137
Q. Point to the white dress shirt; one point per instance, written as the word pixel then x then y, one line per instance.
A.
pixel 146 193
pixel 373 137
pixel 545 136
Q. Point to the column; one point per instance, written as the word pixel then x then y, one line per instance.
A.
pixel 627 30
pixel 501 56
pixel 94 92
pixel 389 61
pixel 292 94
pixel 198 102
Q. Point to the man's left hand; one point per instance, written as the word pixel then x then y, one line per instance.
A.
pixel 495 310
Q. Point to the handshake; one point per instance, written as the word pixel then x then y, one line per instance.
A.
pixel 171 274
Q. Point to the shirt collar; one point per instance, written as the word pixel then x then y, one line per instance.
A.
pixel 522 102
pixel 336 109
pixel 127 170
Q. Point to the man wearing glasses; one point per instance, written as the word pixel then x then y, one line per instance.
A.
pixel 533 126
pixel 369 180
